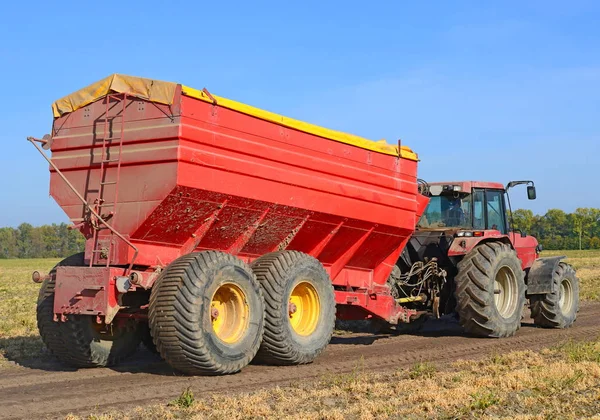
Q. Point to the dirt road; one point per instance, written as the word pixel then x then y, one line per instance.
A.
pixel 46 389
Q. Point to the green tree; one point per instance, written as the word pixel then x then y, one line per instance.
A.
pixel 48 241
pixel 523 220
pixel 584 222
pixel 8 243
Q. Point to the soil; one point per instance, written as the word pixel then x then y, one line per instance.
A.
pixel 45 388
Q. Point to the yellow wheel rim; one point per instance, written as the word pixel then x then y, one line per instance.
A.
pixel 229 313
pixel 304 309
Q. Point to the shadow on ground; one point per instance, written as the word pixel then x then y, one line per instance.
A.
pixel 367 332
pixel 30 352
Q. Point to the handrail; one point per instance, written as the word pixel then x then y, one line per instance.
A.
pixel 34 141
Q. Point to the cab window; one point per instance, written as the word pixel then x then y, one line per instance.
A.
pixel 478 206
pixel 496 216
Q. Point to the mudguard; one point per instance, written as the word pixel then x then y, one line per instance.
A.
pixel 539 278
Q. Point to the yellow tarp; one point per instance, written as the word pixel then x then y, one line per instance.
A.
pixel 164 92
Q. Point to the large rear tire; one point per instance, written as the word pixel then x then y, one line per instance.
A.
pixel 559 308
pixel 207 313
pixel 299 308
pixel 147 340
pixel 490 291
pixel 79 341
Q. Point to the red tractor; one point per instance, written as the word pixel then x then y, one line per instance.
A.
pixel 491 268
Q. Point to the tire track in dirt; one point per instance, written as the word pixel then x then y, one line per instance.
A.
pixel 50 392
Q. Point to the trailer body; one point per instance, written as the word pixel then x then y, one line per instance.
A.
pixel 175 170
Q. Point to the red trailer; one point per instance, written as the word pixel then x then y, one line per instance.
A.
pixel 208 221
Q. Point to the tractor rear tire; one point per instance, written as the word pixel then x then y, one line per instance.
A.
pixel 490 291
pixel 299 308
pixel 147 339
pixel 206 314
pixel 559 308
pixel 79 341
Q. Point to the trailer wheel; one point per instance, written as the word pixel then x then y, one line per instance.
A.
pixel 490 291
pixel 79 341
pixel 299 307
pixel 559 308
pixel 50 331
pixel 207 313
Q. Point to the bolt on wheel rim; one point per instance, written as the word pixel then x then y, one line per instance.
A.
pixel 304 309
pixel 565 300
pixel 505 290
pixel 229 313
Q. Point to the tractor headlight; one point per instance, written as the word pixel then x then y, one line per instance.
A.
pixel 463 233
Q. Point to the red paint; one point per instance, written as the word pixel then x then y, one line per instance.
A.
pixel 86 290
pixel 195 176
pixel 525 247
pixel 467 186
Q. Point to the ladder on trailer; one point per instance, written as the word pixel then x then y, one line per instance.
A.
pixel 108 177
pixel 97 220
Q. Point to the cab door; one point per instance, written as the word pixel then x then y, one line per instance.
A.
pixel 496 219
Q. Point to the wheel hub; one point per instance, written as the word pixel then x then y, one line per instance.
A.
pixel 565 300
pixel 229 313
pixel 304 309
pixel 505 292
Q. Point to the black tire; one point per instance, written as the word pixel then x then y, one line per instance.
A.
pixel 559 308
pixel 79 342
pixel 49 330
pixel 147 339
pixel 481 310
pixel 279 273
pixel 181 320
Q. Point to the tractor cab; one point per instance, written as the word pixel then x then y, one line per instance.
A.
pixel 461 215
pixel 460 218
pixel 465 206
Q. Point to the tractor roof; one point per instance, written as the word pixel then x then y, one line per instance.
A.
pixel 467 186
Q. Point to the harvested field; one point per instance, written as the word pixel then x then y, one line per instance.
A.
pixel 360 375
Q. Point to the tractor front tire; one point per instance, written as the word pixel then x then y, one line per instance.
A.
pixel 490 291
pixel 79 341
pixel 559 308
pixel 299 308
pixel 207 313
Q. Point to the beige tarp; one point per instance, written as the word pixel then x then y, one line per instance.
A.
pixel 153 90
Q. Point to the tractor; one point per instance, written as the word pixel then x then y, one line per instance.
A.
pixel 490 269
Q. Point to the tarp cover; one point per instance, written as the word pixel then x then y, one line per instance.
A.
pixel 164 92
pixel 153 90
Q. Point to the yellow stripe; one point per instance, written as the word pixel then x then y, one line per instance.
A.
pixel 164 92
pixel 377 146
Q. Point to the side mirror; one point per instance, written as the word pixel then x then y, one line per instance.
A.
pixel 531 192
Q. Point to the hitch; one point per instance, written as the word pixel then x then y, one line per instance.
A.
pixel 39 276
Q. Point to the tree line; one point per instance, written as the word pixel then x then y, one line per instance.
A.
pixel 559 230
pixel 555 230
pixel 47 241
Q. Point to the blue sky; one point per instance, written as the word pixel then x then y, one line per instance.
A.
pixel 494 91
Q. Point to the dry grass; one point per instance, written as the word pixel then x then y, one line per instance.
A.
pixel 18 295
pixel 559 383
